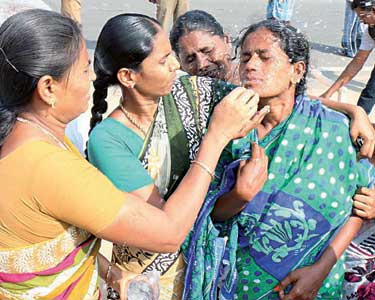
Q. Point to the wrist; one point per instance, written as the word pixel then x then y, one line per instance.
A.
pixel 242 197
pixel 216 138
pixel 325 264
pixel 356 112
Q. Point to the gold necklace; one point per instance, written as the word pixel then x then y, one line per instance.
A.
pixel 44 130
pixel 132 120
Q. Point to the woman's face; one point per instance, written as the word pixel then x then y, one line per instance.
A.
pixel 366 16
pixel 204 54
pixel 264 66
pixel 157 72
pixel 73 91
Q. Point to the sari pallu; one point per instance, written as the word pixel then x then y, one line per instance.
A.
pixel 312 176
pixel 64 268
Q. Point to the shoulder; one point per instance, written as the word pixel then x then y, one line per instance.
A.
pixel 315 108
pixel 111 130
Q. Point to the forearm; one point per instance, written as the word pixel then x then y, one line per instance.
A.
pixel 194 186
pixel 228 206
pixel 348 109
pixel 339 244
pixel 163 230
pixel 349 73
pixel 141 225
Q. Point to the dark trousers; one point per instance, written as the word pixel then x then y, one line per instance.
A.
pixel 367 98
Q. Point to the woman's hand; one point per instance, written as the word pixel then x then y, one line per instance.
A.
pixel 236 115
pixel 119 281
pixel 251 174
pixel 364 203
pixel 306 283
pixel 362 128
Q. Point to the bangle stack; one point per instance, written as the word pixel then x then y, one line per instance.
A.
pixel 204 167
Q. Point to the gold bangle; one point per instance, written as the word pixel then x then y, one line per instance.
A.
pixel 204 167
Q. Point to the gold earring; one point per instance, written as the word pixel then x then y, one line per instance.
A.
pixel 53 103
pixel 295 81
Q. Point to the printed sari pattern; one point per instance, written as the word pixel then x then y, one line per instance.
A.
pixel 312 176
pixel 64 268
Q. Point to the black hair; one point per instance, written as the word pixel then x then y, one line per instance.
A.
pixel 363 4
pixel 194 20
pixel 292 42
pixel 33 43
pixel 124 42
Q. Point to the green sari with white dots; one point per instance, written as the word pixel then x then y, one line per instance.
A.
pixel 312 175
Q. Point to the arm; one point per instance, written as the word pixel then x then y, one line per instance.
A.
pixel 360 125
pixel 308 280
pixel 251 176
pixel 350 71
pixel 147 227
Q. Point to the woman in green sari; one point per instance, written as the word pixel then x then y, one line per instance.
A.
pixel 286 242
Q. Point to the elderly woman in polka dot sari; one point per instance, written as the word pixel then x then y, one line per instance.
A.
pixel 286 242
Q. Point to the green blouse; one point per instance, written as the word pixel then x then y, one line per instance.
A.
pixel 114 149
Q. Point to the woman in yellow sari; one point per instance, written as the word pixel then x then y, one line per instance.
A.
pixel 51 203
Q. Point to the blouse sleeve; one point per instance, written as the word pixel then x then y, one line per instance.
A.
pixel 71 190
pixel 110 152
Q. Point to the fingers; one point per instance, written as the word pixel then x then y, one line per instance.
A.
pixel 256 119
pixel 364 205
pixel 367 148
pixel 239 93
pixel 361 205
pixel 360 213
pixel 365 191
pixel 284 283
pixel 258 155
pixel 259 116
pixel 250 99
pixel 354 134
pixel 255 151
